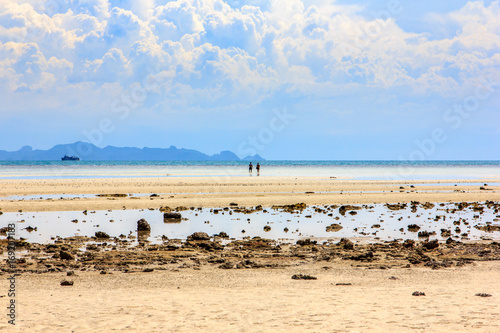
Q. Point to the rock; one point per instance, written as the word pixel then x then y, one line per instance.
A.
pixel 413 228
pixel 70 273
pixel 165 209
pixel 233 204
pixel 227 265
pixel 344 208
pixel 428 205
pixel 101 234
pixel 143 225
pixel 346 244
pixel 305 242
pixel 343 284
pixel 395 206
pixel 334 227
pixel 66 256
pixel 368 256
pixel 222 234
pixel 418 293
pixel 409 243
pixel 267 228
pixel 148 270
pixel 173 216
pixel 115 195
pixel 198 236
pixel 488 228
pixel 433 244
pixel 483 295
pixel 66 283
pixel 303 277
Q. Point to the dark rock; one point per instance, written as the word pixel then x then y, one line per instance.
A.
pixel 267 228
pixel 395 206
pixel 143 225
pixel 101 234
pixel 70 273
pixel 483 295
pixel 418 293
pixel 227 265
pixel 303 277
pixel 409 243
pixel 346 244
pixel 413 228
pixel 66 283
pixel 171 215
pixel 368 256
pixel 343 284
pixel 66 256
pixel 305 242
pixel 222 234
pixel 433 244
pixel 148 270
pixel 198 236
pixel 334 227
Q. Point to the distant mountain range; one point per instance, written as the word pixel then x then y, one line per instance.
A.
pixel 90 152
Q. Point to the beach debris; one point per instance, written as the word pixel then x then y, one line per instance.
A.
pixel 303 277
pixel 483 295
pixel 66 256
pixel 67 283
pixel 143 225
pixel 418 293
pixel 101 234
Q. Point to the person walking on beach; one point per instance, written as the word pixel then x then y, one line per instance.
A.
pixel 258 169
pixel 250 166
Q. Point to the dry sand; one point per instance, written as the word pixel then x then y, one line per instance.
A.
pixel 264 300
pixel 210 299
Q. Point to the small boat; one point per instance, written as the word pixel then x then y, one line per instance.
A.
pixel 70 158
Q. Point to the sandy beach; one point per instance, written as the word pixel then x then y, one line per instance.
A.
pixel 221 191
pixel 203 285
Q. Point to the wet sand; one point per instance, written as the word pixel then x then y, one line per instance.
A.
pixel 203 284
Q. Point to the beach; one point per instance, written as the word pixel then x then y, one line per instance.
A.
pixel 231 283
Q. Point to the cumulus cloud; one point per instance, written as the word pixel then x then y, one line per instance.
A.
pixel 241 48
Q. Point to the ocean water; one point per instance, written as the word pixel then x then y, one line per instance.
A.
pixel 367 170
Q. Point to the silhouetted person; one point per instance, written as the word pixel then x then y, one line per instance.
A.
pixel 250 166
pixel 258 168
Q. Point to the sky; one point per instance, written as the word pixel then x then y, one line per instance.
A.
pixel 285 79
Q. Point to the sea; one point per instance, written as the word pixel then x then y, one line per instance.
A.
pixel 356 170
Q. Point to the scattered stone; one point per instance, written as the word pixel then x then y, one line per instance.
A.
pixel 66 283
pixel 267 228
pixel 70 273
pixel 303 277
pixel 418 293
pixel 483 295
pixel 393 278
pixel 66 256
pixel 172 216
pixel 413 228
pixel 148 270
pixel 433 244
pixel 116 195
pixel 198 236
pixel 334 227
pixel 101 234
pixel 346 244
pixel 343 284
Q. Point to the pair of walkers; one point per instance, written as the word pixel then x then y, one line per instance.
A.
pixel 257 167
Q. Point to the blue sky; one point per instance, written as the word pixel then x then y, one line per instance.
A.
pixel 286 79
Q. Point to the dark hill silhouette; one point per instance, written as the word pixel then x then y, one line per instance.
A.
pixel 90 152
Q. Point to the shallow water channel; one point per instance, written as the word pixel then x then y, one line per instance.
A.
pixel 370 223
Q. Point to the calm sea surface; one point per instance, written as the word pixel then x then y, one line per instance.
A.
pixel 382 170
